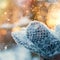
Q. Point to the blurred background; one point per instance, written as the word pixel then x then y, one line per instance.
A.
pixel 17 14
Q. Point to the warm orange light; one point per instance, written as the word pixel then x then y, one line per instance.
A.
pixel 16 29
pixel 53 16
pixel 3 32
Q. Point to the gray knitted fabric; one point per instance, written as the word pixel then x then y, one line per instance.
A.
pixel 57 30
pixel 38 38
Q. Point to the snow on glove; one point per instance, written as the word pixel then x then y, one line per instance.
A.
pixel 38 38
